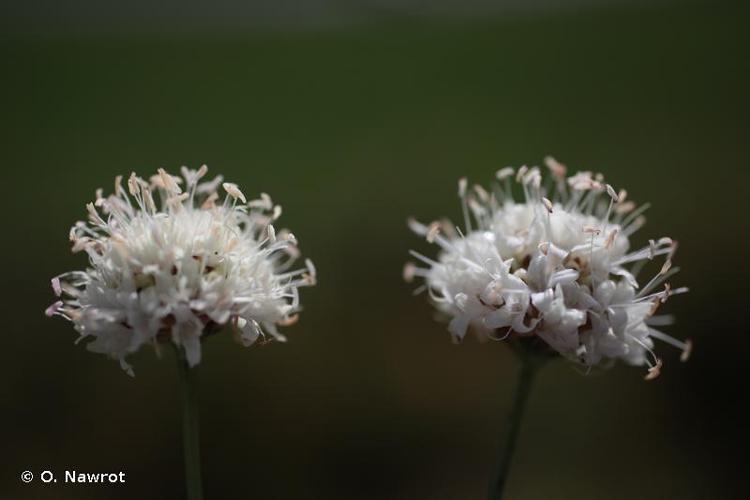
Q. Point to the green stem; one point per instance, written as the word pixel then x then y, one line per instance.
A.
pixel 508 444
pixel 190 439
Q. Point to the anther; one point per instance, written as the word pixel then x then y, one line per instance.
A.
pixel 555 167
pixel 133 184
pixel 54 308
pixel 547 204
pixel 289 321
pixel 201 172
pixel 610 239
pixel 521 172
pixel 432 231
pixel 654 371
pixel 56 286
pixel 686 351
pixel 168 181
pixel 462 183
pixel 504 173
pixel 483 195
pixel 667 290
pixel 611 192
pixel 118 185
pixel 234 191
pixel 409 272
pixel 666 267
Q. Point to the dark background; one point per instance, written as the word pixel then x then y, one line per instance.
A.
pixel 353 125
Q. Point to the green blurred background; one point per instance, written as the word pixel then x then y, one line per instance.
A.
pixel 352 127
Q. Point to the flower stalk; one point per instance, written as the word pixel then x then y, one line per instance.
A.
pixel 190 435
pixel 526 373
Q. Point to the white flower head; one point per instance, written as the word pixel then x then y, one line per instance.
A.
pixel 556 265
pixel 170 261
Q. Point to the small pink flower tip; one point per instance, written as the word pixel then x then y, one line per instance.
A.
pixel 56 286
pixel 408 273
pixel 686 351
pixel 289 321
pixel 51 310
pixel 654 371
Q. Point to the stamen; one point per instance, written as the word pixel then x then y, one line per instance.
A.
pixel 94 215
pixel 668 339
pixel 118 186
pixel 99 198
pixel 149 200
pixel 508 331
pixel 424 259
pixel 409 272
pixel 462 182
pixel 483 195
pixel 234 191
pixel 656 280
pixel 533 178
pixel 289 321
pixel 654 306
pixel 661 320
pixel 54 308
pixel 210 201
pixel 658 295
pixel 654 371
pixel 667 289
pixel 201 172
pixel 311 269
pixel 276 212
pixel 133 186
pixel 263 203
pixel 610 239
pixel 624 207
pixel 169 182
pixel 504 173
pixel 665 267
pixel 547 204
pixel 686 351
pixel 432 231
pixel 611 192
pixel 555 167
pixel 521 173
pixel 176 201
pixel 630 218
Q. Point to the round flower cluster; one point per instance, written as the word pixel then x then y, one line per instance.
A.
pixel 556 265
pixel 173 264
